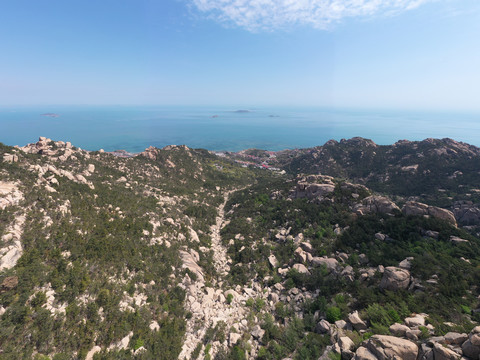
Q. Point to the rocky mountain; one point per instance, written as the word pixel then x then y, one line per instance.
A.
pixel 440 172
pixel 355 251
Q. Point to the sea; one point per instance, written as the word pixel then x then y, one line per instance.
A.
pixel 134 128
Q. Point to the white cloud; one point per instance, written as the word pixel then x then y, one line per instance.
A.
pixel 257 15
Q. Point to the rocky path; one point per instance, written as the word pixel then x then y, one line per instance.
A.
pixel 209 306
pixel 220 252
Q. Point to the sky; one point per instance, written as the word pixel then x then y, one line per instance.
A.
pixel 399 54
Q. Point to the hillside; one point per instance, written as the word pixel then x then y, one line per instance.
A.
pixel 354 251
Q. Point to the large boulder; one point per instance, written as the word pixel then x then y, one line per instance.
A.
pixel 386 347
pixel 395 279
pixel 376 204
pixel 420 209
pixel 443 353
pixel 313 187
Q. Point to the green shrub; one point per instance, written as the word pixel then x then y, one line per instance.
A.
pixel 333 314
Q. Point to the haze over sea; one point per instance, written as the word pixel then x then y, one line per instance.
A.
pixel 220 128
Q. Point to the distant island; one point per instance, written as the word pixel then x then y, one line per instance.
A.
pixel 242 111
pixel 51 115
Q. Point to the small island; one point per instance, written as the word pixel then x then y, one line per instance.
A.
pixel 51 115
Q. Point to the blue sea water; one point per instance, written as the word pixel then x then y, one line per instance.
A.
pixel 216 128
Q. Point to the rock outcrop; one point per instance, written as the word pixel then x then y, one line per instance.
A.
pixel 313 187
pixel 420 209
pixel 376 204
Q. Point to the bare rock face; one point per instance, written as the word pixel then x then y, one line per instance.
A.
pixel 390 347
pixel 395 279
pixel 376 204
pixel 420 209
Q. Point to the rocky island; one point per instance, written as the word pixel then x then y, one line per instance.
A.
pixel 51 115
pixel 349 250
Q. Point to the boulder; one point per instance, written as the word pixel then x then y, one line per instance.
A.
pixel 346 346
pixel 454 338
pixel 257 332
pixel 406 263
pixel 342 324
pixel 457 240
pixel 442 353
pixel 420 209
pixel 395 279
pixel 415 321
pixel 363 353
pixel 322 327
pixel 272 260
pixel 300 254
pixel 425 353
pixel 306 246
pixel 330 263
pixel 398 329
pixel 345 343
pixel 301 269
pixel 470 350
pixel 233 338
pixel 466 213
pixel 475 339
pixel 376 204
pixel 357 323
pixel 413 334
pixel 390 347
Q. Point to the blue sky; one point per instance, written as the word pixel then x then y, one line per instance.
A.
pixel 408 54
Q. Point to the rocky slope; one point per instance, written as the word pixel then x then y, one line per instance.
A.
pixel 179 253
